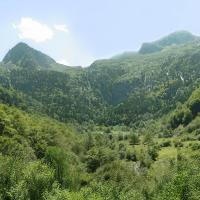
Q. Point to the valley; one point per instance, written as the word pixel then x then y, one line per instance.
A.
pixel 127 127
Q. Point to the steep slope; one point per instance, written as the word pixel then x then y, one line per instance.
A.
pixel 26 57
pixel 156 156
pixel 177 38
pixel 123 89
pixel 143 85
pixel 64 96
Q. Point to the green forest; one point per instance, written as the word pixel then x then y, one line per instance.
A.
pixel 124 128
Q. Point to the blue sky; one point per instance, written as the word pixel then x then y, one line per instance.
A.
pixel 77 32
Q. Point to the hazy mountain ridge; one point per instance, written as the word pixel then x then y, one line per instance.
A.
pixel 176 38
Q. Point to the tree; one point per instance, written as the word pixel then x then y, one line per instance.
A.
pixel 56 158
pixel 36 179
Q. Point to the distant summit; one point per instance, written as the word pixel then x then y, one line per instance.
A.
pixel 25 56
pixel 126 54
pixel 176 38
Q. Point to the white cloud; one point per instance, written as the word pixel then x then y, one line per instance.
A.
pixel 65 48
pixel 63 62
pixel 61 27
pixel 34 30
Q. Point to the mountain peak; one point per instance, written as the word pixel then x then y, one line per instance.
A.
pixel 176 38
pixel 25 56
pixel 21 44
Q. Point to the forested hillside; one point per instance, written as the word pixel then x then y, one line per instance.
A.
pixel 107 91
pixel 123 128
pixel 26 57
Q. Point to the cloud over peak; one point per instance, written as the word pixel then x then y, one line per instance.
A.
pixel 34 30
pixel 65 46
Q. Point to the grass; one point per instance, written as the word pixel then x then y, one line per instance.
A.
pixel 167 153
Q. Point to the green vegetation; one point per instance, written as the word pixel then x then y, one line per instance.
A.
pixel 124 128
pixel 26 57
pixel 176 38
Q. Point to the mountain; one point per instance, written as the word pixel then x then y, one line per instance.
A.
pixel 124 55
pixel 158 81
pixel 26 57
pixel 110 88
pixel 176 38
pixel 127 127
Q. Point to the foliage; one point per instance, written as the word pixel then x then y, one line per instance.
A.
pixel 100 132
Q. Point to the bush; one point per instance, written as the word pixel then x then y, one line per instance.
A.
pixel 122 147
pixel 195 146
pixel 167 133
pixel 194 102
pixel 178 144
pixel 153 152
pixel 122 155
pixel 120 137
pixel 131 156
pixel 108 130
pixel 36 179
pixel 98 157
pixel 148 139
pixel 181 116
pixel 134 139
pixel 185 185
pixel 187 138
pixel 198 137
pixel 56 158
pixel 166 144
pixel 194 126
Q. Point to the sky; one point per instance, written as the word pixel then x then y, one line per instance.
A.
pixel 78 32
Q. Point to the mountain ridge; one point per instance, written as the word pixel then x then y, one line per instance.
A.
pixel 175 38
pixel 24 56
pixel 111 86
pixel 123 128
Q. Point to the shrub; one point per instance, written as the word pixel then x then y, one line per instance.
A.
pixel 198 137
pixel 122 147
pixel 181 116
pixel 195 146
pixel 131 156
pixel 108 130
pixel 134 139
pixel 194 126
pixel 166 144
pixel 98 157
pixel 194 102
pixel 153 152
pixel 148 139
pixel 178 144
pixel 120 137
pixel 122 155
pixel 56 158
